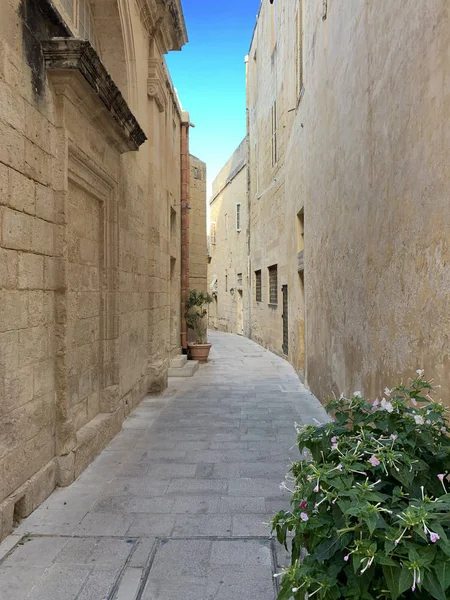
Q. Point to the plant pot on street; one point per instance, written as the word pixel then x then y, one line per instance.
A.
pixel 199 352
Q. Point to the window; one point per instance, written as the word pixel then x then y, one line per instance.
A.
pixel 273 284
pixel 239 280
pixel 78 16
pixel 299 77
pixel 274 118
pixel 226 283
pixel 258 289
pixel 300 231
pixel 238 216
pixel 212 233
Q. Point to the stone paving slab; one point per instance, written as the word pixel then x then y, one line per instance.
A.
pixel 178 505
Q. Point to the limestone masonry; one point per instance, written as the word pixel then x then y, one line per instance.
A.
pixel 90 222
pixel 345 199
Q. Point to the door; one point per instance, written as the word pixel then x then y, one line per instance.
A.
pixel 239 313
pixel 285 316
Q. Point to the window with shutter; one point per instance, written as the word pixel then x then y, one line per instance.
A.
pixel 238 216
pixel 273 284
pixel 258 286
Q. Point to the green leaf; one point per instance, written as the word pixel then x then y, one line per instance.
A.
pixel 443 573
pixel 385 560
pixel 327 549
pixel 432 585
pixel 406 580
pixel 392 576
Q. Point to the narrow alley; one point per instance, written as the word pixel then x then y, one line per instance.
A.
pixel 177 505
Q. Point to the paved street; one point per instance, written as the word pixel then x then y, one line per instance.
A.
pixel 176 507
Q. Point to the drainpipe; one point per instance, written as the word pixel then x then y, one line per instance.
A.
pixel 185 182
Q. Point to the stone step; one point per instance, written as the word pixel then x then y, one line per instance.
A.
pixel 178 361
pixel 186 371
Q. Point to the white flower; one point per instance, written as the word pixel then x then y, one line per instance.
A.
pixel 357 395
pixel 387 391
pixel 385 405
pixel 420 372
pixel 419 420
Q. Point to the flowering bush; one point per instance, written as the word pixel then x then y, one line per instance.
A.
pixel 371 509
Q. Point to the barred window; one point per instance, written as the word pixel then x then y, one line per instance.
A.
pixel 273 284
pixel 239 280
pixel 78 16
pixel 238 216
pixel 258 286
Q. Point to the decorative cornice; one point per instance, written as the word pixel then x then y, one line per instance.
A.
pixel 65 55
pixel 164 20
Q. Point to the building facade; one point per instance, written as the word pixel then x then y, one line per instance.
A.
pixel 197 226
pixel 91 197
pixel 228 256
pixel 349 221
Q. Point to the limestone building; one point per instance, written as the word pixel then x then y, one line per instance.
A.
pixel 227 269
pixel 349 217
pixel 92 195
pixel 197 226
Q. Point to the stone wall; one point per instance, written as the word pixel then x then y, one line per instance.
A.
pixel 90 235
pixel 227 270
pixel 197 226
pixel 357 193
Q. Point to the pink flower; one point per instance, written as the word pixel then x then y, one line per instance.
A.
pixel 441 477
pixel 434 537
pixel 316 489
pixel 375 403
pixel 339 468
pixel 303 504
pixel 393 437
pixel 346 558
pixel 304 516
pixel 374 461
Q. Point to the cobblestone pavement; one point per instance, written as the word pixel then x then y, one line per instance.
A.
pixel 177 506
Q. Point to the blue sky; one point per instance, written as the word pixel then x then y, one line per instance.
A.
pixel 209 74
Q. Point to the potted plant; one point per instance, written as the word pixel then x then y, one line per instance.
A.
pixel 370 512
pixel 195 313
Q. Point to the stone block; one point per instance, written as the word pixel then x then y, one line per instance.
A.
pixel 33 345
pixel 53 273
pixel 36 312
pixel 12 107
pixel 42 237
pixel 43 378
pixel 45 203
pixel 31 271
pixel 12 148
pixel 9 351
pixel 13 313
pixel 37 163
pixel 66 469
pixel 16 229
pixel 8 269
pixel 21 192
pixel 18 389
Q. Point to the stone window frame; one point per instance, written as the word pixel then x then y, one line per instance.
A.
pixel 258 285
pixel 273 285
pixel 77 15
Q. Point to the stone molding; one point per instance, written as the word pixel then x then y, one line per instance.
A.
pixel 64 57
pixel 164 19
pixel 155 85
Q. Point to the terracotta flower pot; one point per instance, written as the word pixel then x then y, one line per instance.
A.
pixel 199 352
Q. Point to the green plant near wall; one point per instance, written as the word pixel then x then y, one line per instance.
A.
pixel 370 512
pixel 195 312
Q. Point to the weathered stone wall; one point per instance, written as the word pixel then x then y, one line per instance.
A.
pixel 197 226
pixel 363 153
pixel 89 221
pixel 227 271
